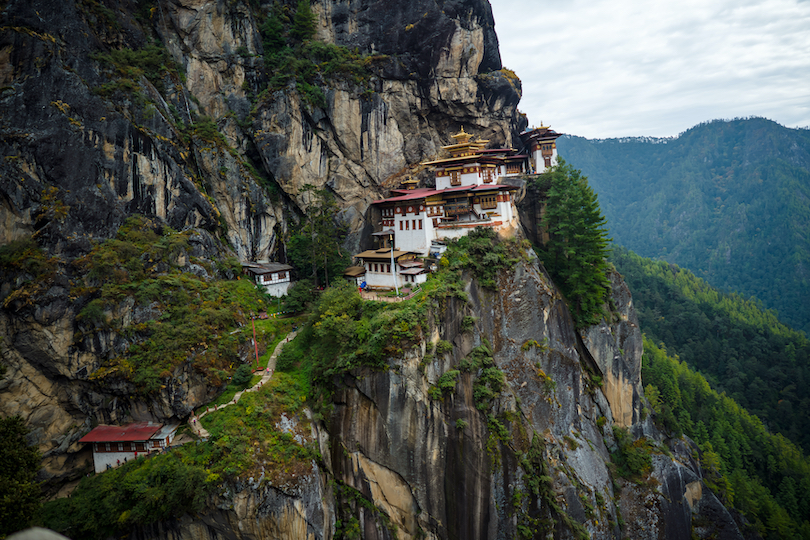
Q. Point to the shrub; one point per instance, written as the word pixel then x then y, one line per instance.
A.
pixel 445 385
pixel 443 347
pixel 242 376
pixel 468 323
pixel 631 458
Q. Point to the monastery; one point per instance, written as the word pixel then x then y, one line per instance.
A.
pixel 470 192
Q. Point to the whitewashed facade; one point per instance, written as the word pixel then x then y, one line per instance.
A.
pixel 276 278
pixel 380 273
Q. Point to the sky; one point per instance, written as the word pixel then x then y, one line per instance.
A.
pixel 617 68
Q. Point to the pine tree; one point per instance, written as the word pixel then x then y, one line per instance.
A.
pixel 303 21
pixel 576 247
pixel 317 244
pixel 19 491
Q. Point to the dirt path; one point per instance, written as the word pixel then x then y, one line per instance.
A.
pixel 194 422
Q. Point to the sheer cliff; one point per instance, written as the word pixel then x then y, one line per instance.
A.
pixel 163 109
pixel 490 417
pixel 172 110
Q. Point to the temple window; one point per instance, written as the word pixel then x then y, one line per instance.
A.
pixel 489 202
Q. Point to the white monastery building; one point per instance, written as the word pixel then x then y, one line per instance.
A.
pixel 274 277
pixel 469 193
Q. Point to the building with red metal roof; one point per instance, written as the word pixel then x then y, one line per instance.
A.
pixel 114 445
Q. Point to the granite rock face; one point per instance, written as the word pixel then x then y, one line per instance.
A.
pixel 77 159
pixel 457 467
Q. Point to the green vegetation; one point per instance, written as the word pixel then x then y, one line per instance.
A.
pixel 243 443
pixel 190 317
pixel 741 349
pixel 763 475
pixel 576 246
pixel 242 379
pixel 631 459
pixel 291 55
pixel 445 385
pixel 344 332
pixel 19 462
pixel 235 429
pixel 730 200
pixel 483 254
pixel 315 248
pixel 539 482
pixel 300 296
pixel 128 66
pixel 24 263
pixel 140 492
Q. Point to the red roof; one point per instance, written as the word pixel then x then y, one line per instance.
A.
pixel 421 193
pixel 139 431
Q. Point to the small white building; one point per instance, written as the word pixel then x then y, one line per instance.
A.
pixel 356 275
pixel 542 145
pixel 114 445
pixel 276 278
pixel 406 271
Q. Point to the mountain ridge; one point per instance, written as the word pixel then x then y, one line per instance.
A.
pixel 730 200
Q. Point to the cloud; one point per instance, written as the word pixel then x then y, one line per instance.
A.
pixel 615 68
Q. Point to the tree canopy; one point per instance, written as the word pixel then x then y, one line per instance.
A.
pixel 739 347
pixel 315 249
pixel 730 200
pixel 575 243
pixel 19 492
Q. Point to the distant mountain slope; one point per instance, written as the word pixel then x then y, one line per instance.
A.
pixel 730 200
pixel 741 349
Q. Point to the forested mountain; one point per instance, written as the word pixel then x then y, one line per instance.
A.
pixel 728 374
pixel 730 200
pixel 740 348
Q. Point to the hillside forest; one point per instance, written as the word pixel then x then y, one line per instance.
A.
pixel 723 371
pixel 730 200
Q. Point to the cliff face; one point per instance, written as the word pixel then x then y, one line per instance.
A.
pixel 87 142
pixel 444 469
pixel 531 459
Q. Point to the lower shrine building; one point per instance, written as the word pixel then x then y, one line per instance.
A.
pixel 386 270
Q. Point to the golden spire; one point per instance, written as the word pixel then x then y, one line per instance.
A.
pixel 461 137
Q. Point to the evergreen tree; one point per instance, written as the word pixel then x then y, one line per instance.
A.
pixel 272 31
pixel 303 21
pixel 315 250
pixel 19 492
pixel 576 243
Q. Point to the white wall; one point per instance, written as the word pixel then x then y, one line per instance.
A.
pixel 376 280
pixel 102 459
pixel 410 239
pixel 467 179
pixel 539 162
pixel 277 289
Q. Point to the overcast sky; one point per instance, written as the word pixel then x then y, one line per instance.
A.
pixel 611 68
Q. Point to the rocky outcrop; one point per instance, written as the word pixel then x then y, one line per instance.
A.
pixel 440 468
